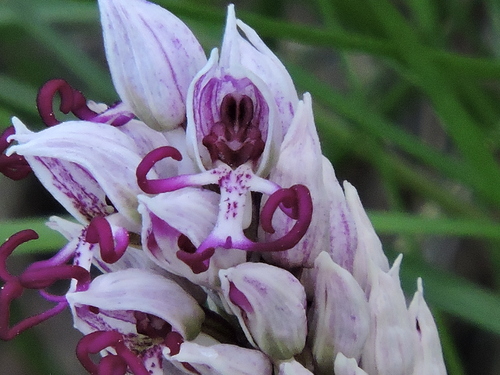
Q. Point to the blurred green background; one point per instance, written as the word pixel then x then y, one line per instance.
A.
pixel 406 100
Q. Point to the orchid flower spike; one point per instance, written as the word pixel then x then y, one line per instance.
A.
pixel 209 234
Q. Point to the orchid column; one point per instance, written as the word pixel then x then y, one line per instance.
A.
pixel 224 242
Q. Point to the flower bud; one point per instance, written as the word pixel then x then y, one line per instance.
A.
pixel 291 367
pixel 270 304
pixel 340 316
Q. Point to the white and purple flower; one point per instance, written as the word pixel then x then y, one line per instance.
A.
pixel 224 241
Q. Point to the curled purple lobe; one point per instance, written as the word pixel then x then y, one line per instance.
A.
pixel 14 166
pixel 75 102
pixel 100 231
pixel 39 276
pixel 116 364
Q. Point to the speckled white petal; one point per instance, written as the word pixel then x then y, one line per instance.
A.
pixel 81 163
pixel 369 249
pixel 152 56
pixel 343 236
pixel 193 213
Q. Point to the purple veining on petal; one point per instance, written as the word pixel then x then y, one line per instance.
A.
pixel 97 341
pixel 14 166
pixel 83 200
pixel 100 231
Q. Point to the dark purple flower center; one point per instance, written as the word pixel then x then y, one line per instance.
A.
pixel 151 325
pixel 236 139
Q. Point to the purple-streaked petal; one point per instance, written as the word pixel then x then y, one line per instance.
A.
pixel 269 303
pixel 340 320
pixel 369 249
pixel 250 51
pixel 429 355
pixel 205 98
pixel 81 164
pixel 152 56
pixel 291 367
pixel 126 291
pixel 343 236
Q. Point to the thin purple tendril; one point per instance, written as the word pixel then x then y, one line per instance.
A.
pixel 99 231
pixel 34 277
pixel 14 166
pixel 71 101
pixel 295 202
pixel 115 364
pixel 298 205
pixel 159 185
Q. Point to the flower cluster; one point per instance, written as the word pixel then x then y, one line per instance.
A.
pixel 224 241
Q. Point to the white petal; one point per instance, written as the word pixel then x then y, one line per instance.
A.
pixel 347 366
pixel 153 56
pixel 341 318
pixel 273 318
pixel 223 359
pixel 429 355
pixel 140 290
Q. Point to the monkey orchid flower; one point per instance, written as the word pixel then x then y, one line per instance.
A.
pixel 212 237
